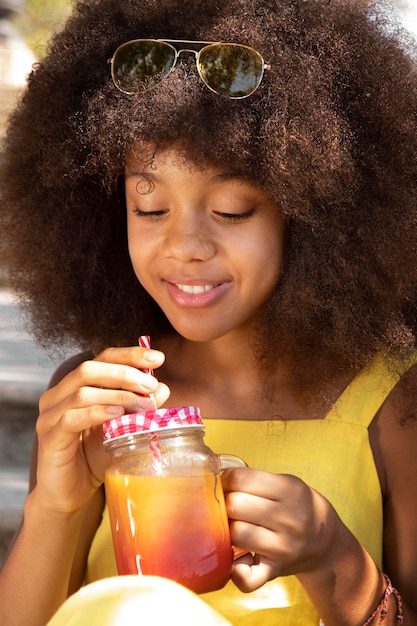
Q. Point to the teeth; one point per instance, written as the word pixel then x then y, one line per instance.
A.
pixel 195 289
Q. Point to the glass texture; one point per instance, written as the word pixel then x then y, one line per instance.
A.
pixel 228 69
pixel 140 65
pixel 231 70
pixel 167 510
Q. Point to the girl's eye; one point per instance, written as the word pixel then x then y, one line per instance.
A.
pixel 227 217
pixel 235 217
pixel 149 214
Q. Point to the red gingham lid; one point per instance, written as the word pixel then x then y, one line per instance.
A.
pixel 150 421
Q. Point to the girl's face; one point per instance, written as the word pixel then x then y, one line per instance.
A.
pixel 205 244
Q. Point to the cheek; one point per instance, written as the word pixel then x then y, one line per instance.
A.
pixel 132 246
pixel 137 251
pixel 266 253
pixel 142 274
pixel 142 258
pixel 274 244
pixel 270 262
pixel 138 262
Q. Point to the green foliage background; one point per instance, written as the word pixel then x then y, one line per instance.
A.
pixel 39 20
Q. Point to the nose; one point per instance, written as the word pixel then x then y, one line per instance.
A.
pixel 189 238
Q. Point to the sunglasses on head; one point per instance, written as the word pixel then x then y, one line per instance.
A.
pixel 228 69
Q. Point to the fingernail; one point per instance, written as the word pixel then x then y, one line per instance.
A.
pixel 148 384
pixel 115 410
pixel 145 403
pixel 151 356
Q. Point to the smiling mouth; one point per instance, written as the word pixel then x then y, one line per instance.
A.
pixel 195 289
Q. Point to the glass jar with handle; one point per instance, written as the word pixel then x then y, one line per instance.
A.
pixel 165 498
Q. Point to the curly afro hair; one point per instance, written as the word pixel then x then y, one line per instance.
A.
pixel 331 134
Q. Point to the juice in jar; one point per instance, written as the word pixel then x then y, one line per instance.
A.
pixel 171 526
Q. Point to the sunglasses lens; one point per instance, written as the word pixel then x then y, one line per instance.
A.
pixel 232 70
pixel 139 65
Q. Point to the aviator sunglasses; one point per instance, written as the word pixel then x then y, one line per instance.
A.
pixel 228 69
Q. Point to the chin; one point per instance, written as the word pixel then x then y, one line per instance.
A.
pixel 201 334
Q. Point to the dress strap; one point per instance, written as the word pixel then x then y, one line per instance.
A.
pixel 367 392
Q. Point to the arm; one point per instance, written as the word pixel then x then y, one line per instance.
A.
pixel 47 559
pixel 292 529
pixel 393 436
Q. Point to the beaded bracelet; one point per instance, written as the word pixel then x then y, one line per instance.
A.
pixel 382 606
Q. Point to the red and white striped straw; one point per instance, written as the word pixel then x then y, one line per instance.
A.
pixel 154 444
pixel 145 342
pixel 156 452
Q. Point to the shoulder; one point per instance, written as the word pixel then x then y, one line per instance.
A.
pixel 68 366
pixel 393 434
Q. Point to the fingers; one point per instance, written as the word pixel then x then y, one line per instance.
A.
pixel 132 355
pixel 71 456
pixel 97 390
pixel 95 374
pixel 277 544
pixel 96 405
pixel 68 423
pixel 276 516
pixel 263 484
pixel 90 406
pixel 262 498
pixel 113 378
pixel 250 572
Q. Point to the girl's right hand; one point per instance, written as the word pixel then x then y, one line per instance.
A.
pixel 71 457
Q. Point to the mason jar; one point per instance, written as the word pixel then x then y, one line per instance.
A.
pixel 165 498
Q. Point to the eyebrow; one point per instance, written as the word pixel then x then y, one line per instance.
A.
pixel 220 177
pixel 138 174
pixel 226 176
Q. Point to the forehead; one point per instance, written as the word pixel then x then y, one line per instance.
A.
pixel 151 164
pixel 147 160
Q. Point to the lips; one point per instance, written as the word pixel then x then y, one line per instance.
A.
pixel 196 295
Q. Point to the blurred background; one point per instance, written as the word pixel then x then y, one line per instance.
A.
pixel 25 27
pixel 409 8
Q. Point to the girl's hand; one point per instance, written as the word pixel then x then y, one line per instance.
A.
pixel 287 527
pixel 71 457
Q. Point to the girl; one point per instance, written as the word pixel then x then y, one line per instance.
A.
pixel 260 156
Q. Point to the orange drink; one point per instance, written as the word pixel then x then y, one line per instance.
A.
pixel 174 526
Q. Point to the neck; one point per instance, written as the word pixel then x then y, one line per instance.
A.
pixel 227 360
pixel 224 379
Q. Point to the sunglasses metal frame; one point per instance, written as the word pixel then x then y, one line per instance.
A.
pixel 197 53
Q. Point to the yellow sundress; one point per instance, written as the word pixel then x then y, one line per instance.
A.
pixel 333 455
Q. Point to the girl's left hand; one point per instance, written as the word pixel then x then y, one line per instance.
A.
pixel 287 527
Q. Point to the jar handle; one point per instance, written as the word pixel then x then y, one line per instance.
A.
pixel 226 461
pixel 230 460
